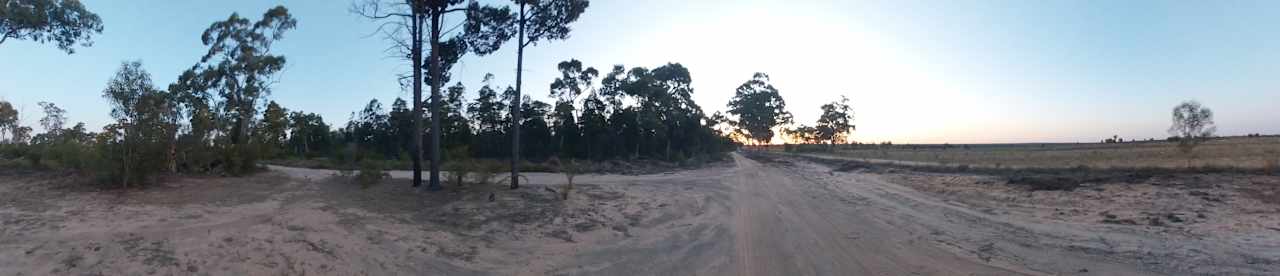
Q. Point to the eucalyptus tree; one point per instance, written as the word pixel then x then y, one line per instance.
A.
pixel 240 67
pixel 486 27
pixel 8 122
pixel 759 108
pixel 1192 124
pixel 65 23
pixel 146 121
pixel 273 130
pixel 566 89
pixel 456 127
pixel 308 133
pixel 54 117
pixel 594 126
pixel 487 114
pixel 835 123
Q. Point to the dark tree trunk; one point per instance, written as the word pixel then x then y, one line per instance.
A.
pixel 415 33
pixel 436 77
pixel 515 106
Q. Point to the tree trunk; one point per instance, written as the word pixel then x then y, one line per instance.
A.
pixel 415 34
pixel 515 106
pixel 436 77
pixel 126 159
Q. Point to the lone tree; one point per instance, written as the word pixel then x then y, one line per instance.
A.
pixel 484 30
pixel 65 23
pixel 1192 124
pixel 836 122
pixel 759 109
pixel 537 20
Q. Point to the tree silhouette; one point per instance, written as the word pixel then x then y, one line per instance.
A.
pixel 54 117
pixel 566 89
pixel 1192 124
pixel 65 23
pixel 759 108
pixel 836 122
pixel 486 113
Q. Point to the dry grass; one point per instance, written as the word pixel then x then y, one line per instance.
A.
pixel 1238 152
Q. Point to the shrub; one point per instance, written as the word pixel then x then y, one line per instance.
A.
pixel 570 170
pixel 370 174
pixel 459 165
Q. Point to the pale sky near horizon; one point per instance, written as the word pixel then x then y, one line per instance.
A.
pixel 915 71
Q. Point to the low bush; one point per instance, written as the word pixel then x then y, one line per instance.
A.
pixel 371 173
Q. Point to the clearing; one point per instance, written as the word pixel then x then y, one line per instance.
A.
pixel 766 215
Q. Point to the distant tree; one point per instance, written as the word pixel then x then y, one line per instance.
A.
pixel 65 23
pixel 537 20
pixel 487 113
pixel 146 122
pixel 804 134
pixel 1192 124
pixel 836 122
pixel 54 117
pixel 536 130
pixel 401 122
pixel 274 129
pixel 308 134
pixel 8 122
pixel 759 109
pixel 566 89
pixel 370 129
pixel 595 127
pixel 456 127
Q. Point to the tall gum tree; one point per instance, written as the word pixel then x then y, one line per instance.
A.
pixel 240 67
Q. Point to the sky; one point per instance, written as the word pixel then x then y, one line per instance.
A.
pixel 915 71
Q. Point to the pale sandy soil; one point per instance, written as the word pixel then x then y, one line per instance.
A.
pixel 747 217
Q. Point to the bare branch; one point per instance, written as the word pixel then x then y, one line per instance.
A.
pixel 372 9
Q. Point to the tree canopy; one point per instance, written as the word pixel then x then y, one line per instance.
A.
pixel 65 23
pixel 1192 124
pixel 759 109
pixel 836 122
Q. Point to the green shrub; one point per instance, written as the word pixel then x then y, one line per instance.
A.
pixel 486 172
pixel 458 165
pixel 371 173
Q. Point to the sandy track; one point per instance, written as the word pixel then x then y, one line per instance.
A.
pixel 747 217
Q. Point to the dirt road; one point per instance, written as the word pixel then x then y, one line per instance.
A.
pixel 787 223
pixel 746 217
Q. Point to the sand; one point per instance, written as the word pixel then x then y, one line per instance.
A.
pixel 783 216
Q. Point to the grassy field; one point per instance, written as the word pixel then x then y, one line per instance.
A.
pixel 1233 152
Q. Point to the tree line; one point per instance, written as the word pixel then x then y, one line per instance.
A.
pixel 636 113
pixel 217 117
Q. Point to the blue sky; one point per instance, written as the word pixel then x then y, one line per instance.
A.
pixel 916 71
